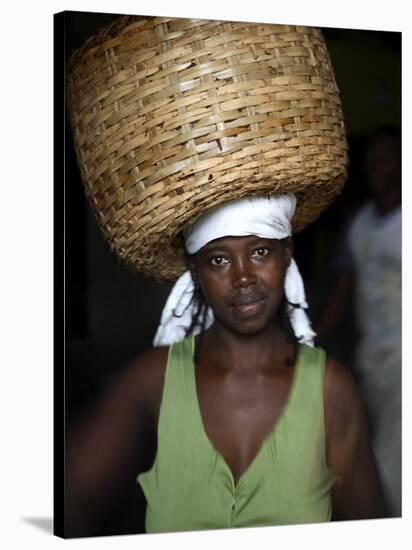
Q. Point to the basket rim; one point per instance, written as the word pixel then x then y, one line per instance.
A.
pixel 122 236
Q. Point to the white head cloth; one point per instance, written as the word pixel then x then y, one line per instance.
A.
pixel 266 217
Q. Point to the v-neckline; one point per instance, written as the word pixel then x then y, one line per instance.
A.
pixel 274 428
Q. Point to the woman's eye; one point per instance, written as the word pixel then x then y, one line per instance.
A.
pixel 260 252
pixel 218 260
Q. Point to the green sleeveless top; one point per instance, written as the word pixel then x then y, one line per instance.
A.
pixel 191 487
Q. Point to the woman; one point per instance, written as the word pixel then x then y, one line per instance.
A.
pixel 232 419
pixel 242 425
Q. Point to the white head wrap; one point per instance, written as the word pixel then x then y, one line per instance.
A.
pixel 265 217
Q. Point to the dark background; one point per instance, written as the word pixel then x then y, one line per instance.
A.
pixel 111 314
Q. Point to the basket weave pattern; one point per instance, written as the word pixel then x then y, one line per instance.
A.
pixel 171 117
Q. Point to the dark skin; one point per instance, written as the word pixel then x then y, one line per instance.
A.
pixel 242 386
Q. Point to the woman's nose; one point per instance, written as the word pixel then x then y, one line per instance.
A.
pixel 243 274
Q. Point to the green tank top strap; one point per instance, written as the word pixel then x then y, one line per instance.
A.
pixel 176 406
pixel 308 383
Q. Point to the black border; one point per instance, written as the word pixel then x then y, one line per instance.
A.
pixel 59 190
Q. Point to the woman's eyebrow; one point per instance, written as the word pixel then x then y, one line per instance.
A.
pixel 260 240
pixel 214 249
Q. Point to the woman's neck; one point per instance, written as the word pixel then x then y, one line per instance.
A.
pixel 229 350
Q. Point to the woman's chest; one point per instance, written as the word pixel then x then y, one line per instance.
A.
pixel 239 412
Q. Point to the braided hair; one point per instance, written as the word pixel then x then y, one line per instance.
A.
pixel 200 312
pixel 284 319
pixel 286 326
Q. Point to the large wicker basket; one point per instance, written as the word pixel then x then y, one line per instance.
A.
pixel 171 117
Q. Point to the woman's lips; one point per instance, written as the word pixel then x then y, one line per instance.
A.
pixel 248 306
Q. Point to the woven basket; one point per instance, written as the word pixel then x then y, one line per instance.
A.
pixel 171 117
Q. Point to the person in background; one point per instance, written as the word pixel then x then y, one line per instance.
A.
pixel 368 263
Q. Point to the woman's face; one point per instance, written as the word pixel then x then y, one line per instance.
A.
pixel 242 279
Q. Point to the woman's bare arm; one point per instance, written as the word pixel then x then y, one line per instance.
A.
pixel 117 440
pixel 358 492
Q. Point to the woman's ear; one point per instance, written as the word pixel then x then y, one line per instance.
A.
pixel 288 245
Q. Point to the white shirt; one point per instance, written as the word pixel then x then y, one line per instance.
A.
pixel 375 243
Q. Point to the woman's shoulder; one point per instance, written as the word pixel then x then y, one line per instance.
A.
pixel 145 374
pixel 149 360
pixel 339 380
pixel 344 408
